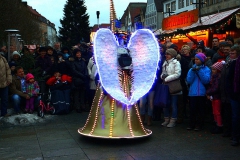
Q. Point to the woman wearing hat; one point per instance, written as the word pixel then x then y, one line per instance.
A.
pixel 198 76
pixel 171 70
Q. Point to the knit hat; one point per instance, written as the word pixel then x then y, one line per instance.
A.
pixel 201 57
pixel 201 43
pixel 218 66
pixel 223 43
pixel 229 38
pixel 12 63
pixel 171 52
pixel 16 53
pixel 29 76
pixel 42 49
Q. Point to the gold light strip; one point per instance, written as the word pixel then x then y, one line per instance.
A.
pixel 90 113
pixel 112 118
pixel 139 119
pixel 96 116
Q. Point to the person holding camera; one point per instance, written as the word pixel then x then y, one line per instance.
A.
pixel 198 76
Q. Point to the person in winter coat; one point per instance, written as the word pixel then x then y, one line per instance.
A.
pixel 146 104
pixel 234 97
pixel 92 70
pixel 6 79
pixel 79 85
pixel 44 63
pixel 32 89
pixel 213 94
pixel 171 70
pixel 60 86
pixel 198 76
pixel 222 53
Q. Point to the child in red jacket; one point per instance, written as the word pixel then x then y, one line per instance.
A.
pixel 57 78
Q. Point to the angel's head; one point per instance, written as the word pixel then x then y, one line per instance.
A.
pixel 124 58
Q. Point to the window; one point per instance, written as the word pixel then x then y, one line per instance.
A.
pixel 173 6
pixel 180 4
pixel 187 2
pixel 167 6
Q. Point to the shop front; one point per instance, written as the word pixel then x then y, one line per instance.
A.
pixel 185 28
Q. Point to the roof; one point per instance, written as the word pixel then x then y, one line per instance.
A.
pixel 104 25
pixel 159 5
pixel 207 20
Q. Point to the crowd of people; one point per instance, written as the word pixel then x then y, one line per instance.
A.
pixel 65 78
pixel 209 78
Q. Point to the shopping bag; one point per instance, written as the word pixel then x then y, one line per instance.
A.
pixel 162 96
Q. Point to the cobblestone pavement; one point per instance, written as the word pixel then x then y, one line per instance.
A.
pixel 57 138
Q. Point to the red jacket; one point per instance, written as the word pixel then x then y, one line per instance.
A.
pixel 64 78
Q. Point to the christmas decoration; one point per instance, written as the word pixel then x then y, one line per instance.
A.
pixel 114 112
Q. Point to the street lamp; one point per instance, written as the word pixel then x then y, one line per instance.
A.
pixel 98 13
pixel 9 33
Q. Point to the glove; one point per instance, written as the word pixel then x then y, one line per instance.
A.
pixel 195 68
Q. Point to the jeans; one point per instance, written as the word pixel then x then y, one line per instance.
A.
pixel 4 100
pixel 235 119
pixel 142 104
pixel 17 100
pixel 166 111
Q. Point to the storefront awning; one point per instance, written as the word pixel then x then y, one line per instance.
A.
pixel 206 20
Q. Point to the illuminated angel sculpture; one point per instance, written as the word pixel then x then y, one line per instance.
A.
pixel 114 112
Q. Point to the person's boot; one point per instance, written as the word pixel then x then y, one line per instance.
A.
pixel 143 119
pixel 149 121
pixel 217 130
pixel 172 123
pixel 166 121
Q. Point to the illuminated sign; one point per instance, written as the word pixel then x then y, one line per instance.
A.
pixel 181 20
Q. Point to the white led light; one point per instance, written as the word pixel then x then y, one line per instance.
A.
pixel 144 50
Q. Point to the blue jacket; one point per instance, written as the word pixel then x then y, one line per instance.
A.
pixel 197 87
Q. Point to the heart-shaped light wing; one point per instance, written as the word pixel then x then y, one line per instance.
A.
pixel 105 53
pixel 144 50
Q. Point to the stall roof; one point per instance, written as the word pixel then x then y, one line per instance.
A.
pixel 206 20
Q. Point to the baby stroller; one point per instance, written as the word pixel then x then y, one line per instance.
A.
pixel 43 108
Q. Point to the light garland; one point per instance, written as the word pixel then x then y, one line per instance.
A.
pixel 144 50
pixel 111 119
pixel 96 115
pixel 90 113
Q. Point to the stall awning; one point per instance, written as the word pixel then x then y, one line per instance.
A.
pixel 206 20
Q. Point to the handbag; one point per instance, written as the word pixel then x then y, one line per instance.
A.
pixel 174 86
pixel 161 96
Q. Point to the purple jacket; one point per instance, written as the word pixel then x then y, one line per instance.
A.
pixel 214 86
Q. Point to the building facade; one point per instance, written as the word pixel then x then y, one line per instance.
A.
pixel 171 7
pixel 154 14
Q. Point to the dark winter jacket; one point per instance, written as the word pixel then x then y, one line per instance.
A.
pixel 218 57
pixel 237 76
pixel 224 82
pixel 230 77
pixel 79 74
pixel 214 87
pixel 44 63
